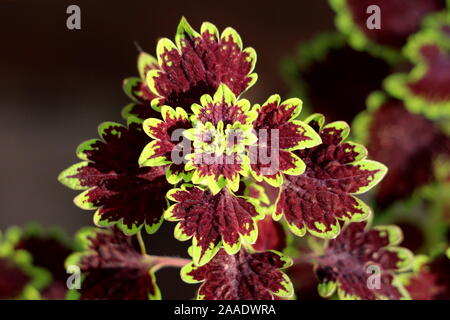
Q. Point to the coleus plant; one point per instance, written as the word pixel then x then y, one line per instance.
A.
pixel 267 194
pixel 190 143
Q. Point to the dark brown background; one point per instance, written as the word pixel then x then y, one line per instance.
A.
pixel 57 85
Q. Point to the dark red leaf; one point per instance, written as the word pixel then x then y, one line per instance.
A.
pixel 113 268
pixel 347 262
pixel 212 220
pixel 336 170
pixel 223 107
pixel 198 64
pixel 244 276
pixel 19 278
pixel 432 281
pixel 279 134
pixel 393 31
pixel 425 89
pixel 139 92
pixel 48 252
pixel 408 144
pixel 125 194
pixel 434 85
pixel 13 279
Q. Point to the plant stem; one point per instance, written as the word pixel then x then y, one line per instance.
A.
pixel 141 243
pixel 160 262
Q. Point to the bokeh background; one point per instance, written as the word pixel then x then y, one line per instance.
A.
pixel 57 85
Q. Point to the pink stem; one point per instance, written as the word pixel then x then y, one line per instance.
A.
pixel 160 262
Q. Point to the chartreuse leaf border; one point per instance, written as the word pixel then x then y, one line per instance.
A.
pixel 144 59
pixel 13 235
pixel 216 185
pixel 397 84
pixel 406 258
pixel 152 124
pixel 129 84
pixel 356 38
pixel 39 277
pixel 420 261
pixel 411 211
pixel 262 201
